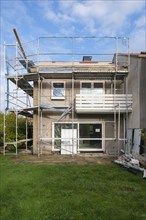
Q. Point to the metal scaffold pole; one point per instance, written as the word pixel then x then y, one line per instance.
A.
pixel 114 87
pixel 38 97
pixel 38 126
pixel 4 118
pixel 16 112
pixel 72 102
pixel 128 63
pixel 40 116
pixel 26 128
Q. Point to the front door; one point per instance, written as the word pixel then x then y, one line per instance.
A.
pixel 68 141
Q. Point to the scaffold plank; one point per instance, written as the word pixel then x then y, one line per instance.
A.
pixel 22 84
pixel 19 141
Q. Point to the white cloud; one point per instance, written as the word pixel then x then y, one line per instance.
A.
pixel 106 14
pixel 100 18
pixel 105 18
pixel 58 17
pixel 54 15
pixel 94 17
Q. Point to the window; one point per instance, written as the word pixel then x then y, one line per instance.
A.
pixel 58 90
pixel 92 88
pixel 90 135
pixel 86 85
pixel 98 87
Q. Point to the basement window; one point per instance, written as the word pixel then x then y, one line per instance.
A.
pixel 58 90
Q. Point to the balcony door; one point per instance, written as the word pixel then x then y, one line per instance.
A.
pixel 92 88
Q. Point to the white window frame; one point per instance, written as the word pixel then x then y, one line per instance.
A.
pixel 92 83
pixel 78 139
pixel 103 139
pixel 58 97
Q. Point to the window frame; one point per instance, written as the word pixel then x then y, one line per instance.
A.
pixel 57 97
pixel 92 86
pixel 78 135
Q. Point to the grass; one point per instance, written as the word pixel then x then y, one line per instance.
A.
pixel 70 192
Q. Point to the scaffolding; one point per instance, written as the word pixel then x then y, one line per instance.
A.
pixel 17 92
pixel 73 59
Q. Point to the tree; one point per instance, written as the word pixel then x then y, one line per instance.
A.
pixel 10 131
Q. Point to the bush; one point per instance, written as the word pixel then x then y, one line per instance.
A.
pixel 10 121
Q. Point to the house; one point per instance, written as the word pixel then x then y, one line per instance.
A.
pixel 84 105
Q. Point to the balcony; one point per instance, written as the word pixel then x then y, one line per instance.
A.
pixel 103 103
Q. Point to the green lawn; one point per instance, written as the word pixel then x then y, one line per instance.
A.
pixel 65 192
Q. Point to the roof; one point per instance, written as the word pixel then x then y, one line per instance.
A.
pixel 77 75
pixel 140 55
pixel 77 67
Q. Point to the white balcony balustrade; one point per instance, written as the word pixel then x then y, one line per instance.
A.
pixel 103 103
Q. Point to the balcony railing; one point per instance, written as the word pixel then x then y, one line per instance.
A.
pixel 103 103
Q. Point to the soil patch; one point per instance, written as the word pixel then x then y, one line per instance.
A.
pixel 64 159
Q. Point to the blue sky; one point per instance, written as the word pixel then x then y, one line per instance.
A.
pixel 36 18
pixel 75 18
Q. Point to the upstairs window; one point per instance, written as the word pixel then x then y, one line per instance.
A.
pixel 58 90
pixel 86 85
pixel 98 87
pixel 92 88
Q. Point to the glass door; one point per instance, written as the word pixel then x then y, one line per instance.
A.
pixel 90 137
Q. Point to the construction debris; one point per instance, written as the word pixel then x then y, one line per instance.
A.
pixel 134 156
pixel 131 164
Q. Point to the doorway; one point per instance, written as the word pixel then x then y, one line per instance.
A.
pixel 68 141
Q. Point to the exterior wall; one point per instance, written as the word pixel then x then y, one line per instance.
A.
pixel 142 81
pixel 46 93
pixel 133 88
pixel 136 85
pixel 110 146
pixel 136 82
pixel 49 117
